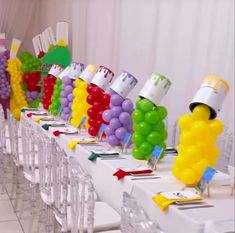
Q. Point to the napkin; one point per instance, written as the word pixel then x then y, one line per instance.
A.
pixel 163 200
pixel 121 173
pixel 95 154
pixel 46 126
pixel 73 143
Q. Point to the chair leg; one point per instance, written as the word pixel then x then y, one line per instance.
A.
pixel 17 194
pixel 13 183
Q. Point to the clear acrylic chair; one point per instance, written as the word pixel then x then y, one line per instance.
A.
pixel 82 213
pixel 225 144
pixel 45 158
pixel 175 135
pixel 134 218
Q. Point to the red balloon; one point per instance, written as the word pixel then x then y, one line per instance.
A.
pixel 99 115
pixel 97 106
pixel 91 122
pixel 91 113
pixel 106 99
pixel 89 88
pixel 90 99
pixel 97 92
pixel 93 131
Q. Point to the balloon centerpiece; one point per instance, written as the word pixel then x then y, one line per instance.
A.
pixel 148 118
pixel 121 108
pixel 32 78
pixel 67 89
pixel 199 131
pixel 98 99
pixel 79 105
pixel 48 85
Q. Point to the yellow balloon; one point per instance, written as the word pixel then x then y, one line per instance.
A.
pixel 192 154
pixel 180 162
pixel 185 122
pixel 187 176
pixel 200 167
pixel 176 172
pixel 217 127
pixel 200 129
pixel 186 138
pixel 201 112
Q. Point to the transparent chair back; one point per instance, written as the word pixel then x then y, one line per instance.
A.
pixel 82 199
pixel 45 163
pixel 225 144
pixel 60 183
pixel 13 126
pixel 28 149
pixel 134 218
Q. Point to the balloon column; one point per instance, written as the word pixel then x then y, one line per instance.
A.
pixel 67 89
pixel 32 78
pixel 18 98
pixel 55 99
pixel 199 131
pixel 48 85
pixel 98 99
pixel 4 76
pixel 80 105
pixel 121 108
pixel 148 117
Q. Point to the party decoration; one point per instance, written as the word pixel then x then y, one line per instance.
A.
pixel 197 147
pixel 48 85
pixel 98 99
pixel 18 98
pixel 67 89
pixel 148 118
pixel 32 78
pixel 80 106
pixel 121 108
pixel 4 76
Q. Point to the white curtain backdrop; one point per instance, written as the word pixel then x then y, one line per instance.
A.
pixel 183 39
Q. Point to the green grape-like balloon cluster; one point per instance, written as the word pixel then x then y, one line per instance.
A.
pixel 54 107
pixel 29 62
pixel 149 128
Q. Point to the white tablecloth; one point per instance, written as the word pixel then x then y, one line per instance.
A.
pixel 110 190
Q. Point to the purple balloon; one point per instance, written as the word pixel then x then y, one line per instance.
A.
pixel 64 102
pixel 113 140
pixel 120 132
pixel 115 123
pixel 68 89
pixel 67 80
pixel 109 131
pixel 34 94
pixel 66 110
pixel 63 94
pixel 116 111
pixel 125 118
pixel 127 106
pixel 107 116
pixel 70 97
pixel 70 104
pixel 116 100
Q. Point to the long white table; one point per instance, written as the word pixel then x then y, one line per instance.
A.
pixel 110 190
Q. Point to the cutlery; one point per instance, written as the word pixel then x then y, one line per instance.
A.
pixel 195 207
pixel 145 178
pixel 112 158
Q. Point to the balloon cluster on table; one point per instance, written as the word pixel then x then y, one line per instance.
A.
pixel 98 99
pixel 18 98
pixel 32 78
pixel 148 118
pixel 199 131
pixel 5 89
pixel 80 106
pixel 121 108
pixel 67 89
pixel 48 85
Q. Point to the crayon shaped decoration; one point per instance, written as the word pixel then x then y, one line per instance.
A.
pixel 118 116
pixel 199 131
pixel 148 118
pixel 98 98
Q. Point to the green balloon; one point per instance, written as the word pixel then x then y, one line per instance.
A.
pixel 137 104
pixel 154 138
pixel 162 144
pixel 144 128
pixel 146 148
pixel 162 112
pixel 137 138
pixel 164 135
pixel 137 116
pixel 135 126
pixel 152 117
pixel 160 126
pixel 146 105
pixel 136 153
